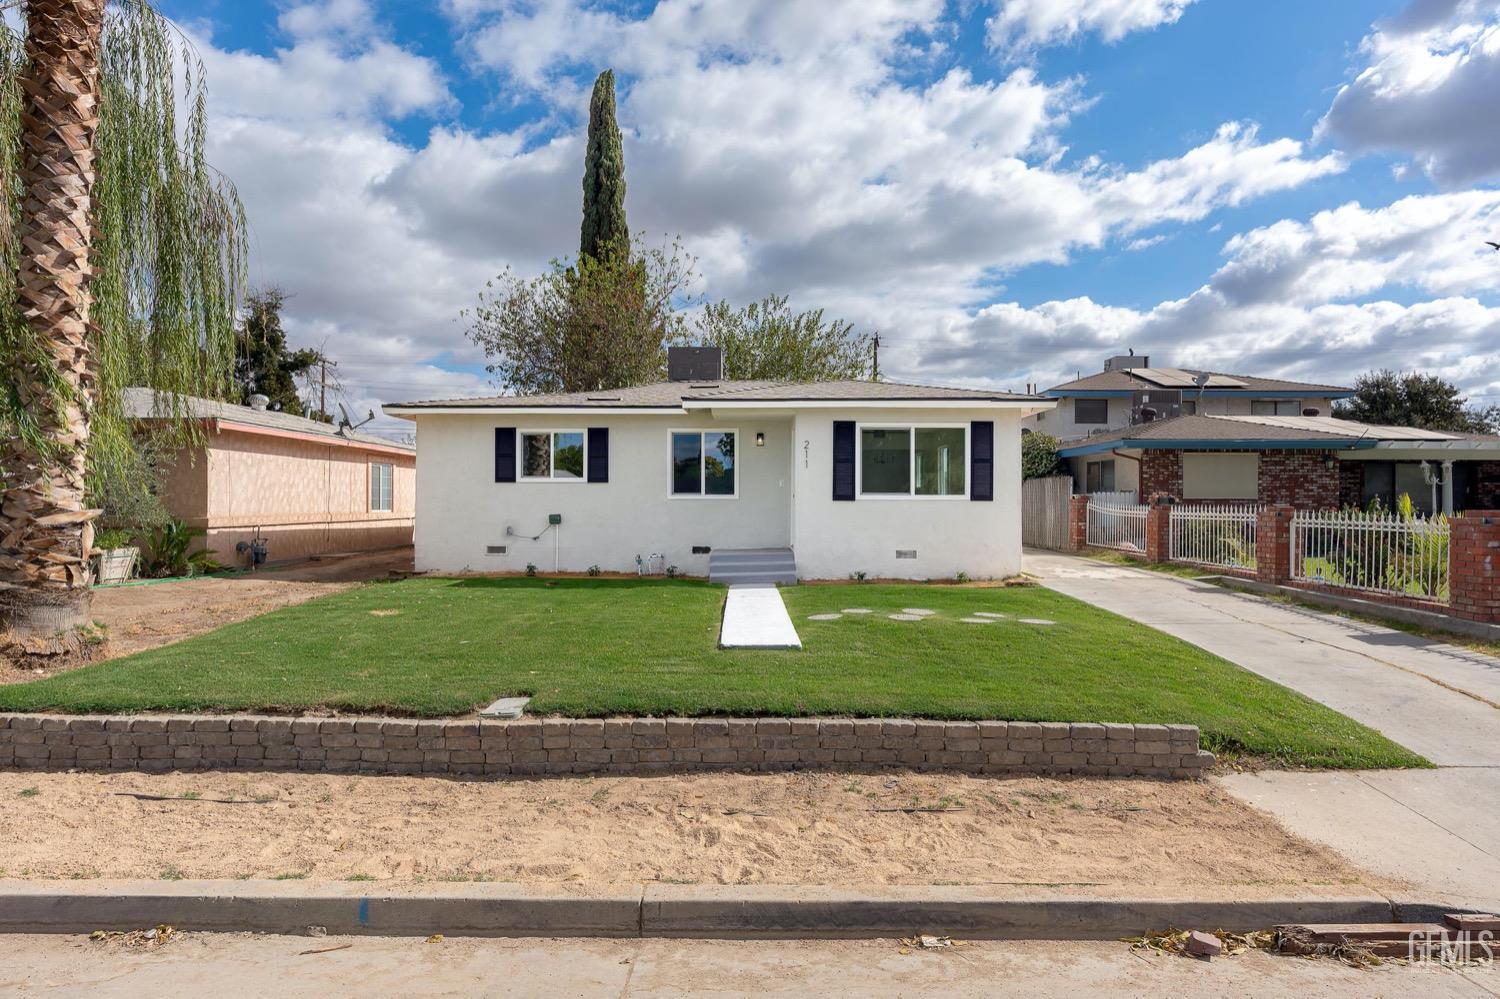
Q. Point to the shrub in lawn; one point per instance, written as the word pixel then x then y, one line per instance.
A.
pixel 531 568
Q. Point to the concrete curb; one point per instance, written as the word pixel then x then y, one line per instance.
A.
pixel 762 911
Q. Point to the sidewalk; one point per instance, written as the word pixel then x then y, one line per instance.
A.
pixel 1439 700
pixel 1438 830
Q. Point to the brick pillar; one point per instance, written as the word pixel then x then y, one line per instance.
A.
pixel 1078 523
pixel 1273 543
pixel 1159 529
pixel 1474 565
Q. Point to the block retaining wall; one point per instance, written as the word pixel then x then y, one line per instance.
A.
pixel 573 746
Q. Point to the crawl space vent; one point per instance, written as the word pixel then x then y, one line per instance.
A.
pixel 494 549
pixel 906 553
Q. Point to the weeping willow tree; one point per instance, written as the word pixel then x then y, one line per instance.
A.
pixel 121 262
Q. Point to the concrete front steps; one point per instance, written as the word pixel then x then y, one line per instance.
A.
pixel 752 566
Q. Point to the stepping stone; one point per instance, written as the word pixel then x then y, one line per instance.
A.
pixel 856 610
pixel 1034 620
pixel 824 617
pixel 506 707
pixel 991 614
pixel 905 617
pixel 918 611
pixel 977 620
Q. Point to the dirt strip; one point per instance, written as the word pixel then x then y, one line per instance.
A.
pixel 827 829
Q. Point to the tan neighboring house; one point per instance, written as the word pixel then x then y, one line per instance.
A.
pixel 306 488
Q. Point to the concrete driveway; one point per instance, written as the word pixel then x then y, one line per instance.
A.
pixel 1440 700
pixel 1437 830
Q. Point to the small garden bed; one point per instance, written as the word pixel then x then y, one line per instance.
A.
pixel 597 647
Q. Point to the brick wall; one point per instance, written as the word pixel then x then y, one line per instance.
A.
pixel 1161 474
pixel 572 746
pixel 1295 478
pixel 1299 478
pixel 1487 485
pixel 1474 565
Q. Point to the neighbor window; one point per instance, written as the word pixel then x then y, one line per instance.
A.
pixel 912 461
pixel 703 462
pixel 381 475
pixel 1230 475
pixel 1099 476
pixel 1275 407
pixel 552 454
pixel 1090 410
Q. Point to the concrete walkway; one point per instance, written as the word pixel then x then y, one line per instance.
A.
pixel 755 618
pixel 1436 830
pixel 1440 700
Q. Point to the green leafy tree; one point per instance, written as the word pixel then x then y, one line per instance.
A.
pixel 1413 399
pixel 262 363
pixel 121 260
pixel 766 339
pixel 1039 457
pixel 599 325
pixel 604 229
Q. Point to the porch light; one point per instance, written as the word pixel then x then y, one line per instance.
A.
pixel 760 440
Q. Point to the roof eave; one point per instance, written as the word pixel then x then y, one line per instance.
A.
pixel 1199 444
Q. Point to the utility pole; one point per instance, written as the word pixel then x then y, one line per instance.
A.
pixel 323 384
pixel 875 353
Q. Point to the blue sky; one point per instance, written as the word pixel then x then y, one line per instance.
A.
pixel 1009 190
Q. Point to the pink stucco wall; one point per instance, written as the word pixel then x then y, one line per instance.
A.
pixel 305 496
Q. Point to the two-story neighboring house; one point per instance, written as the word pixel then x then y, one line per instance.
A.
pixel 1129 391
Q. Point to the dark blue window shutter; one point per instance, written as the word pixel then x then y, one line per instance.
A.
pixel 843 459
pixel 598 454
pixel 982 460
pixel 505 454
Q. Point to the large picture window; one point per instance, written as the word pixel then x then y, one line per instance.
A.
pixel 913 461
pixel 1091 411
pixel 703 463
pixel 382 475
pixel 552 454
pixel 1275 407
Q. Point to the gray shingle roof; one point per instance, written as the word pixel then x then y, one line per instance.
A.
pixel 145 404
pixel 1123 379
pixel 672 395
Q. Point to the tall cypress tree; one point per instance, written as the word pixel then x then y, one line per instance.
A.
pixel 603 175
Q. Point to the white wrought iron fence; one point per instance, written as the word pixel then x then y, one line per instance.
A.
pixel 1379 552
pixel 1115 525
pixel 1219 534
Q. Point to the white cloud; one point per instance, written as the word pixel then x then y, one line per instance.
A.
pixel 1285 302
pixel 1026 24
pixel 788 144
pixel 328 17
pixel 1430 89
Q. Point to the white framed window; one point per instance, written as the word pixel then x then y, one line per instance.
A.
pixel 552 455
pixel 921 460
pixel 703 464
pixel 382 484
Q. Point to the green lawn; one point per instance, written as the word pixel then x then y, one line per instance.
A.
pixel 599 647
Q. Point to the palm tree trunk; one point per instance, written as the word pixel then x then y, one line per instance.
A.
pixel 45 525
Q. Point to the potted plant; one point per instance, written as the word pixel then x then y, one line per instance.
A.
pixel 115 558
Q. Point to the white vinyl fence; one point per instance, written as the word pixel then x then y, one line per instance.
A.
pixel 1113 523
pixel 1379 552
pixel 1220 535
pixel 1044 511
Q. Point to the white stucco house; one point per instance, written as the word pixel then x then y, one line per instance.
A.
pixel 719 477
